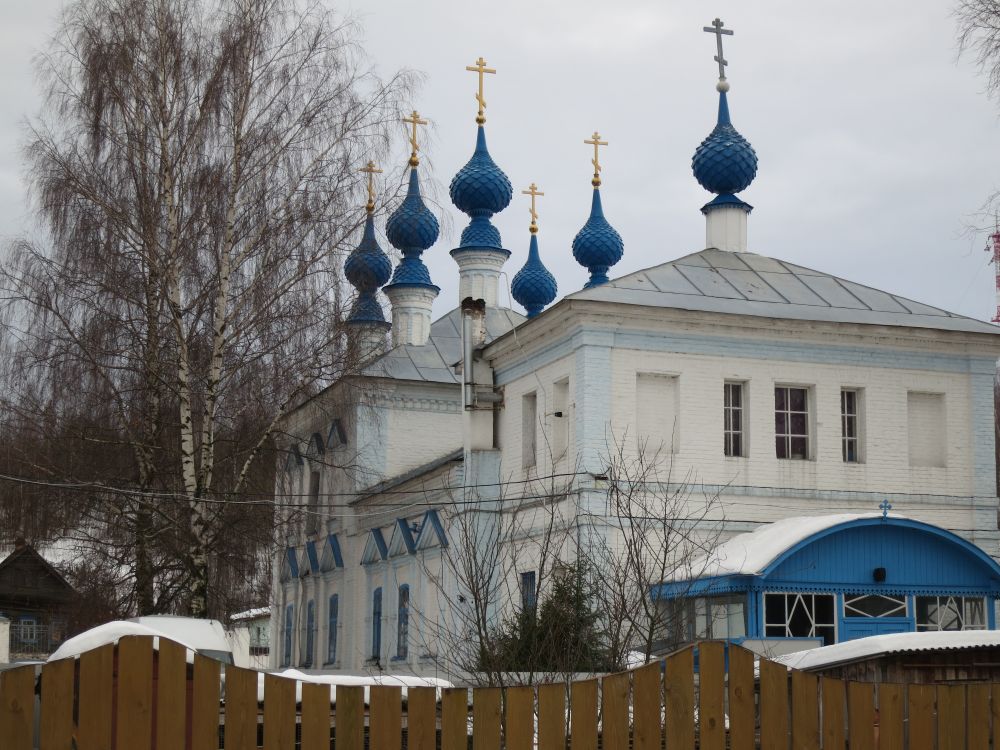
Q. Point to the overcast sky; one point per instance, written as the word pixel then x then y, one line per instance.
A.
pixel 877 148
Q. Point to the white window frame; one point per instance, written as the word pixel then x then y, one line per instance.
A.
pixel 845 421
pixel 787 436
pixel 799 597
pixel 728 412
pixel 529 430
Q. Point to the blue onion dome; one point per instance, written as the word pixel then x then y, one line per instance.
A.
pixel 725 162
pixel 534 286
pixel 481 189
pixel 411 229
pixel 597 246
pixel 367 268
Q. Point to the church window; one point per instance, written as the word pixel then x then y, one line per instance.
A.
pixel 850 438
pixel 377 624
pixel 800 616
pixel 332 616
pixel 791 422
pixel 656 412
pixel 874 605
pixel 733 419
pixel 312 511
pixel 310 634
pixel 951 613
pixel 529 429
pixel 926 424
pixel 560 418
pixel 286 657
pixel 528 593
pixel 403 622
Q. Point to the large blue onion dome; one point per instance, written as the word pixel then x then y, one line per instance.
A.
pixel 725 162
pixel 411 229
pixel 597 246
pixel 367 268
pixel 533 286
pixel 481 189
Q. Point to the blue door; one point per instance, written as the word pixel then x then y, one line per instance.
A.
pixel 862 627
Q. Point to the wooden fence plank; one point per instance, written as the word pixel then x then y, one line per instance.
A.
pixel 171 694
pixel 711 695
pixel 742 706
pixel 56 727
pixel 241 709
pixel 96 683
pixel 205 704
pixel 920 715
pixel 995 714
pixel 647 700
pixel 678 687
pixel 485 719
pixel 805 711
pixel 135 694
pixel 350 718
pixel 890 717
pixel 279 713
pixel 421 718
pixel 951 717
pixel 978 732
pixel 519 718
pixel 454 719
pixel 583 715
pixel 614 711
pixel 385 718
pixel 17 708
pixel 552 716
pixel 861 715
pixel 834 714
pixel 315 716
pixel 773 706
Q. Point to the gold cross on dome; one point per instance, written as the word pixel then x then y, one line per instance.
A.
pixel 596 142
pixel 533 192
pixel 481 69
pixel 414 120
pixel 371 170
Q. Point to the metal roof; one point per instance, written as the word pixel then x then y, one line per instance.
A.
pixel 745 283
pixel 434 362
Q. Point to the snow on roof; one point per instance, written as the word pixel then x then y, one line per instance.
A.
pixel 880 645
pixel 251 614
pixel 104 634
pixel 193 634
pixel 347 680
pixel 752 552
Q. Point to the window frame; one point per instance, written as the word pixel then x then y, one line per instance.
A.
pixel 847 440
pixel 529 593
pixel 376 644
pixel 785 438
pixel 731 435
pixel 789 613
pixel 309 647
pixel 529 430
pixel 286 657
pixel 332 623
pixel 962 614
pixel 403 622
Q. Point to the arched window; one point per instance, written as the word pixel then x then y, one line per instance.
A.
pixel 307 659
pixel 286 658
pixel 403 621
pixel 377 623
pixel 331 632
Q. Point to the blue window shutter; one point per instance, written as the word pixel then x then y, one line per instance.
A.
pixel 310 633
pixel 331 635
pixel 403 622
pixel 289 624
pixel 377 623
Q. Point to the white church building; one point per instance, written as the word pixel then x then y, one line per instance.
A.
pixel 780 390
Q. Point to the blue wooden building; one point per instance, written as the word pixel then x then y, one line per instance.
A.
pixel 831 579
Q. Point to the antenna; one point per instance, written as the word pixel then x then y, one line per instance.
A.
pixel 994 247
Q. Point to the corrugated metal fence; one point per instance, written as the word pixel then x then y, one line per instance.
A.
pixel 129 698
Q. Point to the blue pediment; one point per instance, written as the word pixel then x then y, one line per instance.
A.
pixel 337 435
pixel 431 532
pixel 316 445
pixel 375 548
pixel 293 458
pixel 401 541
pixel 313 556
pixel 332 557
pixel 292 561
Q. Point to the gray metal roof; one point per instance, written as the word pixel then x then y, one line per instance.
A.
pixel 748 284
pixel 434 362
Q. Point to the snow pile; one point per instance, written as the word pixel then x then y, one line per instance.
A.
pixel 337 680
pixel 894 643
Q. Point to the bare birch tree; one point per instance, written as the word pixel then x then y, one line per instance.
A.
pixel 195 181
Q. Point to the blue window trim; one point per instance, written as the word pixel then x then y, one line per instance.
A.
pixel 286 660
pixel 333 614
pixel 377 624
pixel 403 622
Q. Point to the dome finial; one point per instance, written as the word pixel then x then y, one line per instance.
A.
pixel 414 120
pixel 481 69
pixel 716 28
pixel 371 170
pixel 596 142
pixel 533 286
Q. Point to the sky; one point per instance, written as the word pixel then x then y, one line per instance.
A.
pixel 876 144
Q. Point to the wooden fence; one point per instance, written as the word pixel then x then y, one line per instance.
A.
pixel 130 698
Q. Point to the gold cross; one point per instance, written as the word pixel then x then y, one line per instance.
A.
pixel 371 170
pixel 414 120
pixel 480 67
pixel 533 192
pixel 596 142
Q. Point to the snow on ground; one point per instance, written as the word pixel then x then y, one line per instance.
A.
pixel 341 680
pixel 877 645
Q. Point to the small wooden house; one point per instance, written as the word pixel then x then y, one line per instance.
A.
pixel 37 600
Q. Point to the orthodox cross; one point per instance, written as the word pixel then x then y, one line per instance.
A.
pixel 885 506
pixel 716 28
pixel 371 170
pixel 533 192
pixel 481 69
pixel 596 142
pixel 414 120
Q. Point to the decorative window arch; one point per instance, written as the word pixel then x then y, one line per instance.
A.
pixel 403 622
